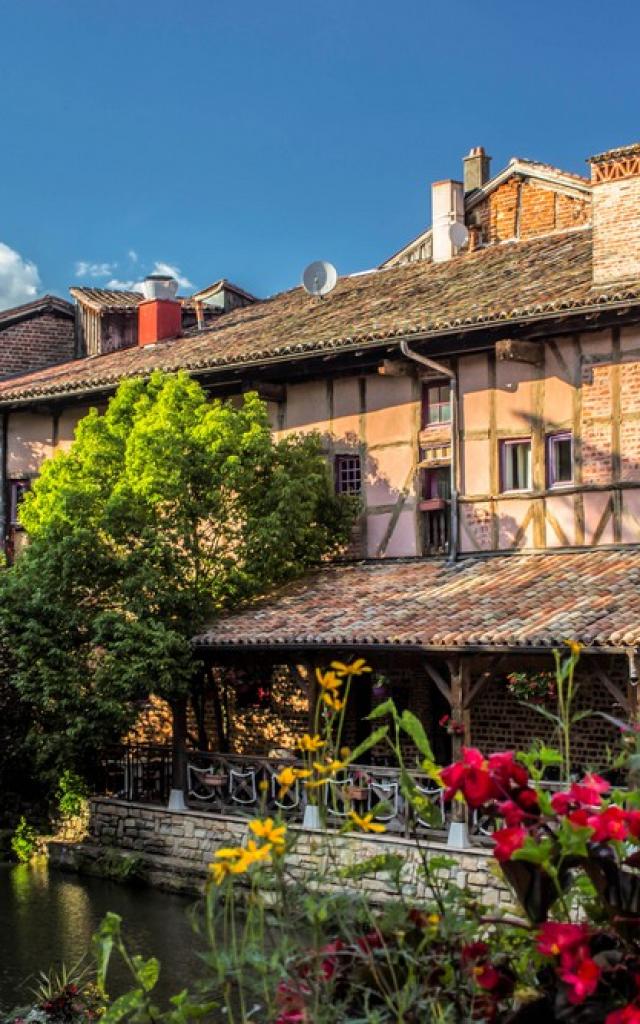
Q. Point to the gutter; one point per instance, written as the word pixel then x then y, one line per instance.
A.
pixel 453 397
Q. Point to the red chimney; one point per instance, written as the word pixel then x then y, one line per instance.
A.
pixel 159 315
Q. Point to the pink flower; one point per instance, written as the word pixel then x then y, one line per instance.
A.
pixel 609 824
pixel 629 1014
pixel 582 979
pixel 555 939
pixel 507 841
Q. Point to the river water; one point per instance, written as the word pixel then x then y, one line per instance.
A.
pixel 48 917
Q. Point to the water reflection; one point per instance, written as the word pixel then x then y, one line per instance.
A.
pixel 47 917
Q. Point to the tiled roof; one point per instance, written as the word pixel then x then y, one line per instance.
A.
pixel 218 286
pixel 508 601
pixel 612 154
pixel 106 299
pixel 45 304
pixel 501 284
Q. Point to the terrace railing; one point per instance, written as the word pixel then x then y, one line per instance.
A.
pixel 243 785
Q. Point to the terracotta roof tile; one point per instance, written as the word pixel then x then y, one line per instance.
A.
pixel 514 601
pixel 499 284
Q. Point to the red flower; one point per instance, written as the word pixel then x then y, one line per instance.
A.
pixel 488 977
pixel 471 777
pixel 589 792
pixel 579 817
pixel 528 800
pixel 512 814
pixel 474 951
pixel 554 939
pixel 444 721
pixel 507 841
pixel 609 824
pixel 633 823
pixel 561 802
pixel 506 770
pixel 329 964
pixel 582 980
pixel 629 1014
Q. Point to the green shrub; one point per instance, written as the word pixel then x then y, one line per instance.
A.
pixel 71 794
pixel 24 841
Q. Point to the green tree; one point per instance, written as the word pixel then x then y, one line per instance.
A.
pixel 167 509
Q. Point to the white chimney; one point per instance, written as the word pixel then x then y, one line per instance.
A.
pixel 447 208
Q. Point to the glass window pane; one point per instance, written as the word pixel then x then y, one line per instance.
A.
pixel 516 463
pixel 563 468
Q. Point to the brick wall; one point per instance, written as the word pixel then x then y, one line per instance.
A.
pixel 520 208
pixel 500 722
pixel 616 230
pixel 39 341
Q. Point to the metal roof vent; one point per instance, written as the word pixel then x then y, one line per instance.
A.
pixel 160 286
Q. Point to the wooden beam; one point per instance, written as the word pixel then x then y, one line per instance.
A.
pixel 435 676
pixel 483 679
pixel 612 687
pixel 267 390
pixel 518 351
pixel 396 368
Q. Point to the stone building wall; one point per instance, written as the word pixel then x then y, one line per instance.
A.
pixel 177 847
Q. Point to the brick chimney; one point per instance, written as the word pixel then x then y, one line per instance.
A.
pixel 447 208
pixel 159 315
pixel 615 183
pixel 476 169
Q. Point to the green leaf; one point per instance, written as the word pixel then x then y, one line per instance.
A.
pixel 124 1006
pixel 535 852
pixel 386 708
pixel 415 729
pixel 573 839
pixel 375 737
pixel 391 863
pixel 146 972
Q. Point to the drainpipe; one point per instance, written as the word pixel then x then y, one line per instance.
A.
pixel 4 487
pixel 453 396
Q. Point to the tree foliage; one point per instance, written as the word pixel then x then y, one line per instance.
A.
pixel 167 509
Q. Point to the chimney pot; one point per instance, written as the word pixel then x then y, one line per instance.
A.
pixel 447 208
pixel 476 169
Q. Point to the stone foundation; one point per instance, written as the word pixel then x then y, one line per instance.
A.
pixel 177 847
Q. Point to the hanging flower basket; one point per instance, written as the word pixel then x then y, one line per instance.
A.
pixel 534 687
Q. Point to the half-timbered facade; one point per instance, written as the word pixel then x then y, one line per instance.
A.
pixel 479 390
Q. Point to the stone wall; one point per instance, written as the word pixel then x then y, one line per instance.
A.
pixel 177 847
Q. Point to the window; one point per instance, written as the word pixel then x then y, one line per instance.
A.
pixel 560 459
pixel 516 465
pixel 437 404
pixel 437 483
pixel 17 491
pixel 347 474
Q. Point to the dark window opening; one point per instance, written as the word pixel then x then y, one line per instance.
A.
pixel 17 491
pixel 348 474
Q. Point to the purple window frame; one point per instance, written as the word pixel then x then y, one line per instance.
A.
pixel 505 445
pixel 561 435
pixel 347 470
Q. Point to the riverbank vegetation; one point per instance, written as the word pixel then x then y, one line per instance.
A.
pixel 320 952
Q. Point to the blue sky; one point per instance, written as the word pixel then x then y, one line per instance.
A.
pixel 247 139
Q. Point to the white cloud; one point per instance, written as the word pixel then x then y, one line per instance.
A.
pixel 133 256
pixel 84 268
pixel 19 278
pixel 124 286
pixel 168 268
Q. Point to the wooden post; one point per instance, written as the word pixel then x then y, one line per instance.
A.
pixel 459 669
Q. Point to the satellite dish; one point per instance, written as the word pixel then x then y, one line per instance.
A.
pixel 458 234
pixel 319 278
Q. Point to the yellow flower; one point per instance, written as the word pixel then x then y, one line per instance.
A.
pixel 220 870
pixel 433 919
pixel 356 668
pixel 267 829
pixel 263 786
pixel 288 776
pixel 366 822
pixel 251 854
pixel 574 647
pixel 332 702
pixel 329 768
pixel 310 743
pixel 328 680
